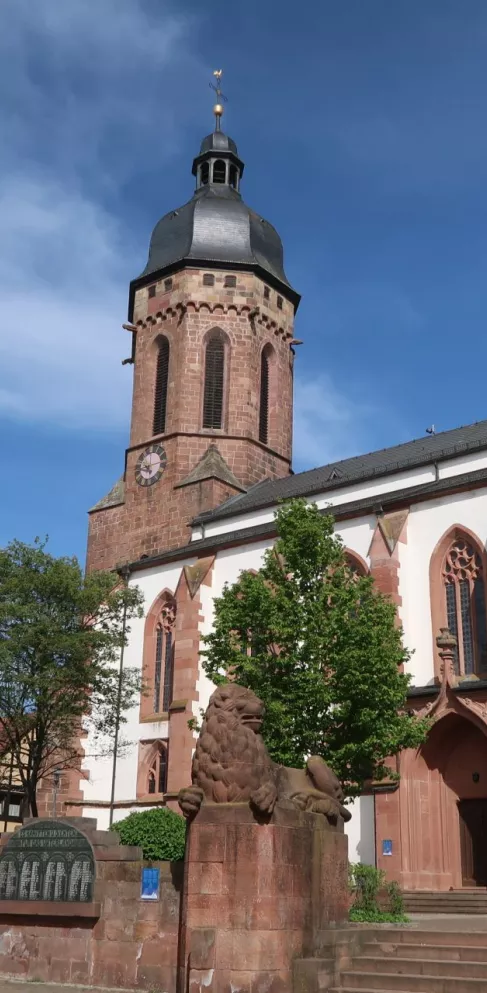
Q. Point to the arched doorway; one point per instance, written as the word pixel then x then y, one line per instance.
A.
pixel 443 808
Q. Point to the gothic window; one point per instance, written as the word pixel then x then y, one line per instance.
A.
pixel 214 382
pixel 219 171
pixel 164 660
pixel 264 397
pixel 157 775
pixel 160 397
pixel 355 565
pixel 464 605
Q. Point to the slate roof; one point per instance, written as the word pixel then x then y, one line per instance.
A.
pixel 114 497
pixel 212 465
pixel 411 454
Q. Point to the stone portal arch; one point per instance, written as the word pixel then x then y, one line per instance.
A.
pixel 449 768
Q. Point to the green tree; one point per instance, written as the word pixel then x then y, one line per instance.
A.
pixel 61 634
pixel 321 647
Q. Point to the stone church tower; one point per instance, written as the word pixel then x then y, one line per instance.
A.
pixel 211 318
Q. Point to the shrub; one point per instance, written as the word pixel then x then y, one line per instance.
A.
pixel 366 882
pixel 159 832
pixel 377 917
pixel 396 900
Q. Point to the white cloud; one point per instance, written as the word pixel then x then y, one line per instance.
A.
pixel 90 92
pixel 328 425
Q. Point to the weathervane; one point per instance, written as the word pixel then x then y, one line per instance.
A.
pixel 220 98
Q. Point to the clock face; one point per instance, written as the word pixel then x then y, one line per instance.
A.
pixel 150 465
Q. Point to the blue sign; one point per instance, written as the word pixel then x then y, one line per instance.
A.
pixel 150 884
pixel 387 847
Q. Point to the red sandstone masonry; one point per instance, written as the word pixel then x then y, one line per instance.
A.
pixel 156 518
pixel 257 895
pixel 120 941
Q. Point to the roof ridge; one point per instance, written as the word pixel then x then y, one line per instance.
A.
pixel 400 444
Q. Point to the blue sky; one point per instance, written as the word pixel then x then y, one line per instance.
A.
pixel 362 126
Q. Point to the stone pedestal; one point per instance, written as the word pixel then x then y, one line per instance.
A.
pixel 257 895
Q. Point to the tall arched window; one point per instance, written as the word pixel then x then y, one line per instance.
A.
pixel 264 398
pixel 157 775
pixel 160 393
pixel 356 564
pixel 164 659
pixel 214 381
pixel 464 604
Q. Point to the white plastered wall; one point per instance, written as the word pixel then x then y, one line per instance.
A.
pixel 98 786
pixel 427 523
pixel 361 830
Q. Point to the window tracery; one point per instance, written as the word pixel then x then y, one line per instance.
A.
pixel 164 658
pixel 157 775
pixel 464 605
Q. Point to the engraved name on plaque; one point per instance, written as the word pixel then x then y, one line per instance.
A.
pixel 47 860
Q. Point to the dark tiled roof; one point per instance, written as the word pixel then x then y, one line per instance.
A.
pixel 212 465
pixel 366 505
pixel 431 448
pixel 114 497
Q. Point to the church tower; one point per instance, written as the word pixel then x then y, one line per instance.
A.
pixel 211 318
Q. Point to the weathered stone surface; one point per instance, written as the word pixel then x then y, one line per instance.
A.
pixel 256 896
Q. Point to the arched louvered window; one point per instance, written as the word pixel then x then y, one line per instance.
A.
pixel 465 606
pixel 164 660
pixel 264 398
pixel 214 382
pixel 160 397
pixel 219 171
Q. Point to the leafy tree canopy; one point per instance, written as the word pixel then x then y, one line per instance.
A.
pixel 61 634
pixel 320 645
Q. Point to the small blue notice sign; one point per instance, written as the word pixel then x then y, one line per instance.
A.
pixel 150 884
pixel 387 847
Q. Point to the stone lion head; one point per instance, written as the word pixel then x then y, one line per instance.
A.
pixel 230 759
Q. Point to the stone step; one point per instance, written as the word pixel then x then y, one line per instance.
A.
pixel 411 983
pixel 429 967
pixel 403 949
pixel 417 936
pixel 465 901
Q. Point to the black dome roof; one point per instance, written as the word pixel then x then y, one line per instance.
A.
pixel 216 228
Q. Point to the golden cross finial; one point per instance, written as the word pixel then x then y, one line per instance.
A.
pixel 220 97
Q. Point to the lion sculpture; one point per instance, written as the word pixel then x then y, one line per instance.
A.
pixel 231 764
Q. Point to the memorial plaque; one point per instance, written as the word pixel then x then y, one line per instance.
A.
pixel 47 860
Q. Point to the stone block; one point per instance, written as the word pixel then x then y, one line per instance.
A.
pixel 205 981
pixel 202 948
pixel 205 844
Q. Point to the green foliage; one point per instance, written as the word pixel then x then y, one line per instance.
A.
pixel 61 634
pixel 396 899
pixel 159 832
pixel 376 917
pixel 366 882
pixel 321 648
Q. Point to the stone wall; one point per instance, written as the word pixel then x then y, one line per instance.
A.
pixel 118 940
